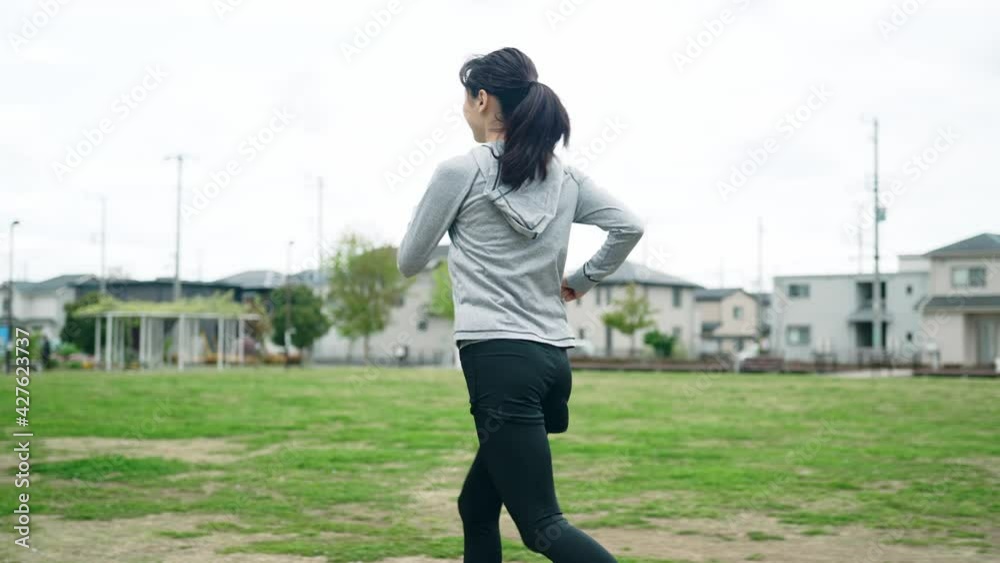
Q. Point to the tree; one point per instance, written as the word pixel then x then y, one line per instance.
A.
pixel 632 314
pixel 365 284
pixel 260 327
pixel 80 330
pixel 309 322
pixel 442 303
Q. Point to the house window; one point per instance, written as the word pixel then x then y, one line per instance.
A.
pixel 676 333
pixel 607 295
pixel 677 297
pixel 737 312
pixel 968 277
pixel 798 290
pixel 909 337
pixel 909 290
pixel 799 335
pixel 422 324
pixel 597 295
pixel 582 334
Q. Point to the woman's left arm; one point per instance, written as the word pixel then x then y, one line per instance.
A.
pixel 434 215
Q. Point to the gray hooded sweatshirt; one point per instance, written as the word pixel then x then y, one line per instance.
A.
pixel 508 247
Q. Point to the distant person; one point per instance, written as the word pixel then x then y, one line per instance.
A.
pixel 508 205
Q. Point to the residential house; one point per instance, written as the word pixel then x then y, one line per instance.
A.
pixel 39 307
pixel 671 297
pixel 961 318
pixel 729 319
pixel 832 316
pixel 412 330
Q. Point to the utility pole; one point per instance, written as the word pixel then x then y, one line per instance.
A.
pixel 288 302
pixel 861 238
pixel 9 351
pixel 319 231
pixel 177 248
pixel 760 281
pixel 104 246
pixel 877 285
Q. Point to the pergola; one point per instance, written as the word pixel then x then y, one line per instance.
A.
pixel 180 321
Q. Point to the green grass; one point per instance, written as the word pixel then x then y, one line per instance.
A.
pixel 343 451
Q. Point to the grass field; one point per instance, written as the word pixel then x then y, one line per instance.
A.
pixel 347 465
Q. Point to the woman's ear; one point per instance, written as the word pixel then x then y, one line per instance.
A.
pixel 482 99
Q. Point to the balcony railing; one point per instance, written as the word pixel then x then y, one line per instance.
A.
pixel 867 304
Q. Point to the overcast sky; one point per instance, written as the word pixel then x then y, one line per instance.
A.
pixel 668 101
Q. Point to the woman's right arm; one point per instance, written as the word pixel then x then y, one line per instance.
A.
pixel 596 206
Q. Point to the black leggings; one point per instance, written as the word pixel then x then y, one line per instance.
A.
pixel 519 392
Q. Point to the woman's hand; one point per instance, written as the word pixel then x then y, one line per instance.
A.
pixel 568 293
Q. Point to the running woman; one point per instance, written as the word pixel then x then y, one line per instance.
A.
pixel 507 206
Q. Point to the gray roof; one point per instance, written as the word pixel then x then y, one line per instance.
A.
pixel 964 302
pixel 716 294
pixel 630 272
pixel 52 284
pixel 984 244
pixel 266 278
pixel 255 278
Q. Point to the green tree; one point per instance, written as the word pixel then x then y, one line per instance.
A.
pixel 365 284
pixel 442 303
pixel 309 322
pixel 80 330
pixel 631 314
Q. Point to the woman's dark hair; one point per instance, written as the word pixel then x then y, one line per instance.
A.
pixel 534 118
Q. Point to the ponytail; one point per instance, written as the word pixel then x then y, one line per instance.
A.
pixel 533 116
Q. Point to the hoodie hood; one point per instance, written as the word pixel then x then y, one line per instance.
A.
pixel 528 209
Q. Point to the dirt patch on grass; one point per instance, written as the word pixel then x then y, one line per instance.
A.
pixel 190 450
pixel 160 538
pixel 761 538
pixel 744 536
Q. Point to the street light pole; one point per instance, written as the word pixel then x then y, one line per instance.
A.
pixel 10 298
pixel 319 231
pixel 104 245
pixel 177 249
pixel 288 302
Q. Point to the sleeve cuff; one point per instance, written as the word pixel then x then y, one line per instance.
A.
pixel 579 282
